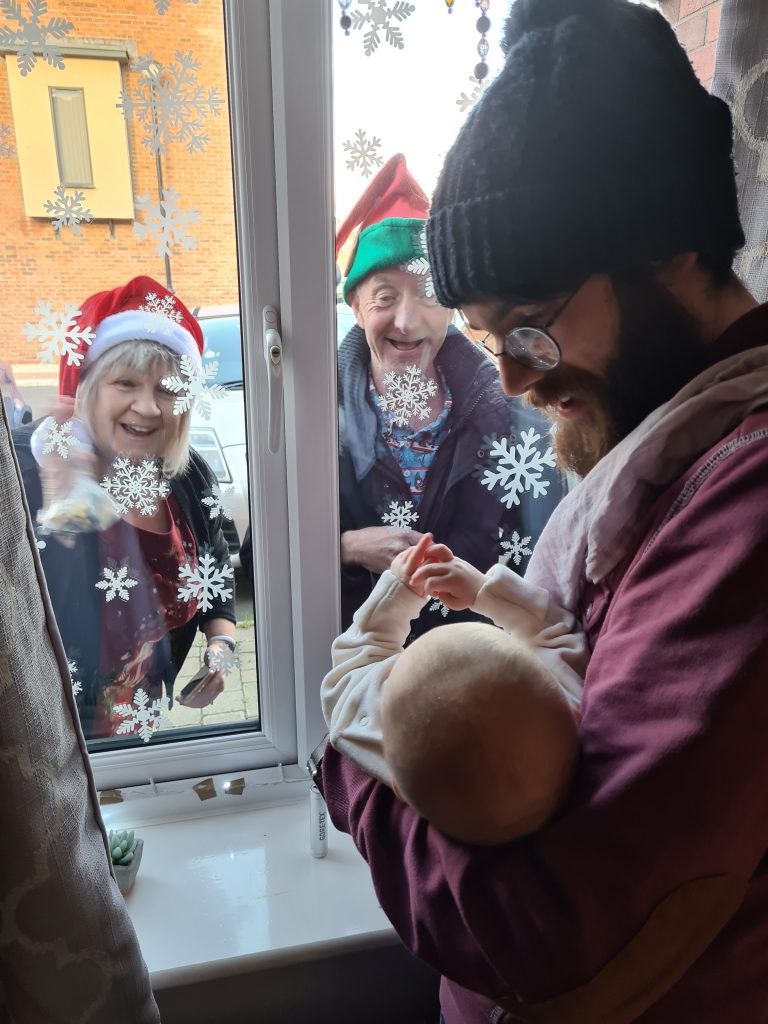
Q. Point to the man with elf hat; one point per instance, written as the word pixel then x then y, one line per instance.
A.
pixel 120 510
pixel 419 407
pixel 586 218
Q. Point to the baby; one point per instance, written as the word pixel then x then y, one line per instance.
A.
pixel 474 726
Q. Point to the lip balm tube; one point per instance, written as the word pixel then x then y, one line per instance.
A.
pixel 318 823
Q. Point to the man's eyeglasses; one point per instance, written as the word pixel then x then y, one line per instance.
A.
pixel 531 346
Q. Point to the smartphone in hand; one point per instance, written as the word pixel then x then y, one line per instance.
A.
pixel 195 684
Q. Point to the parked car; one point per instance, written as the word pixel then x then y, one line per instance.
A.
pixel 17 410
pixel 220 439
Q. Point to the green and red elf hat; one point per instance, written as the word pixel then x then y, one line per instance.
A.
pixel 385 228
pixel 142 310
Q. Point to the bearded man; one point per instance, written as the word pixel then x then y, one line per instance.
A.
pixel 586 219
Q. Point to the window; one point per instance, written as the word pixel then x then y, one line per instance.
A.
pixel 138 593
pixel 70 134
pixel 214 160
pixel 70 129
pixel 429 443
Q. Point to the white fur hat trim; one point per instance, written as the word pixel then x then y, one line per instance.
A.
pixel 141 325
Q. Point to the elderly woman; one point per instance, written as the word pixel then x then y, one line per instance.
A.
pixel 121 558
pixel 420 407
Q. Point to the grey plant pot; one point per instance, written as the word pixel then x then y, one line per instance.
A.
pixel 125 874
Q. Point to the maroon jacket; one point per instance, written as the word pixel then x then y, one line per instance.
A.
pixel 647 898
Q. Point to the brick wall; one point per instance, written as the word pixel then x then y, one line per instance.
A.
pixel 697 24
pixel 36 264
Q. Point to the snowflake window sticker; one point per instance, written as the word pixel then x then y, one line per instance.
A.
pixel 77 686
pixel 139 486
pixel 32 38
pixel 116 582
pixel 68 211
pixel 438 606
pixel 164 307
pixel 380 17
pixel 419 266
pixel 59 334
pixel 139 717
pixel 519 468
pixel 6 141
pixel 205 581
pixel 224 661
pixel 362 153
pixel 170 103
pixel 407 394
pixel 515 549
pixel 161 6
pixel 59 438
pixel 465 102
pixel 192 387
pixel 219 503
pixel 165 223
pixel 400 516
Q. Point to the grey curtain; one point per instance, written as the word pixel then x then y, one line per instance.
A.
pixel 741 78
pixel 68 951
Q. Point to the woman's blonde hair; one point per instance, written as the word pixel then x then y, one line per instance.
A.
pixel 137 356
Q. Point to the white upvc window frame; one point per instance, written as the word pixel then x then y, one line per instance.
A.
pixel 279 61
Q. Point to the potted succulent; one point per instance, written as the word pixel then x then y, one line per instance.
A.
pixel 125 850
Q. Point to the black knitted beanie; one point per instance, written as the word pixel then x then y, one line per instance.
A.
pixel 595 149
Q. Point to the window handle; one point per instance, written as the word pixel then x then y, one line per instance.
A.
pixel 273 357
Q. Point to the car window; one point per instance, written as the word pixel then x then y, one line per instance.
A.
pixel 222 345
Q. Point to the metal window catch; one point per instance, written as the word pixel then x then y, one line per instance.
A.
pixel 273 357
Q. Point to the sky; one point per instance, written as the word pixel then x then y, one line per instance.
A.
pixel 407 98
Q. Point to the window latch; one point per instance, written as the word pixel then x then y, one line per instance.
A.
pixel 273 357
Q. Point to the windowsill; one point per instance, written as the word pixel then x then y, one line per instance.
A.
pixel 237 892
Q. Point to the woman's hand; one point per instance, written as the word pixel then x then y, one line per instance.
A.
pixel 211 686
pixel 57 473
pixel 206 693
pixel 374 547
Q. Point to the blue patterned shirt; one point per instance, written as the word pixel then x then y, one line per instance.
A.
pixel 413 450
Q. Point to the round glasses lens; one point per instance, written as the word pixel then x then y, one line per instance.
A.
pixel 533 348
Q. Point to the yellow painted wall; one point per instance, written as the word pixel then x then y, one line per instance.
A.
pixel 112 195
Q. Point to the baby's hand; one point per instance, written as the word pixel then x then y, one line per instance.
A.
pixel 455 582
pixel 407 562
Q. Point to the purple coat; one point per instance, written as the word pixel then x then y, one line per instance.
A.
pixel 647 897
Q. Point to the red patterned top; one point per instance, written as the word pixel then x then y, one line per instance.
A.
pixel 143 610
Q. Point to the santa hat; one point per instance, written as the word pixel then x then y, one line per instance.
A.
pixel 385 227
pixel 141 310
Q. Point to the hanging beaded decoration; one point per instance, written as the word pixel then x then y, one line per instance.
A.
pixel 449 5
pixel 345 21
pixel 482 26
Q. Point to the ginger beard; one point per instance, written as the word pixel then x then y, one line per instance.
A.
pixel 658 350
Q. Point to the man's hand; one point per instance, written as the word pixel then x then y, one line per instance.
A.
pixel 374 547
pixel 455 582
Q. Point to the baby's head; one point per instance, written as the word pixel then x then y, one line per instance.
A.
pixel 478 736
